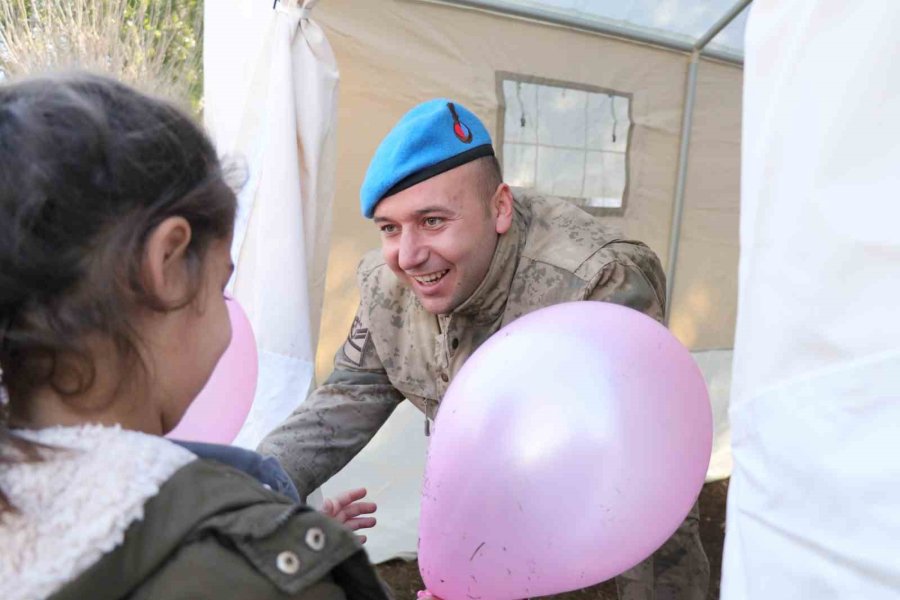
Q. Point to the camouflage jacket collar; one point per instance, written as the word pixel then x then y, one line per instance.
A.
pixel 488 302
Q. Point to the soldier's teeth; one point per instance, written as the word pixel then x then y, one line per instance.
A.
pixel 430 278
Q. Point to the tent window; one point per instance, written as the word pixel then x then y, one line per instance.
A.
pixel 564 140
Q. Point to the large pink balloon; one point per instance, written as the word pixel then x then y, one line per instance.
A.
pixel 568 448
pixel 219 411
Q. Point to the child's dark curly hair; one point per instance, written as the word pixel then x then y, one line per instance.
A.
pixel 88 168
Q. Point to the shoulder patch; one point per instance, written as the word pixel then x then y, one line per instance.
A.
pixel 357 342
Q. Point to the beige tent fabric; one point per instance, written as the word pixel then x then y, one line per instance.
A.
pixel 394 54
pixel 704 301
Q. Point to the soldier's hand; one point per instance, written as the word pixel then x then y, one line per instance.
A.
pixel 348 510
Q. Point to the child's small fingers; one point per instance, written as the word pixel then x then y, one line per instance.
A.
pixel 351 496
pixel 328 507
pixel 359 508
pixel 360 523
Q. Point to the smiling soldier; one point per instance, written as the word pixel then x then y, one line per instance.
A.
pixel 462 255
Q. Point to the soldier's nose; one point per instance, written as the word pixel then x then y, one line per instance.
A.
pixel 412 253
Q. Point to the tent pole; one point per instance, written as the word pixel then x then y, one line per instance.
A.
pixel 684 149
pixel 721 24
pixel 678 210
pixel 610 28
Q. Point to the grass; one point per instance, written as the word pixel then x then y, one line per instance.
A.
pixel 154 45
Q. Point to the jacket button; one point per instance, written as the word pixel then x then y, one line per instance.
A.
pixel 315 539
pixel 455 343
pixel 444 377
pixel 287 562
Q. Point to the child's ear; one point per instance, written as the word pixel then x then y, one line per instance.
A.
pixel 164 268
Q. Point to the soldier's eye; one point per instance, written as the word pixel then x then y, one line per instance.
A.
pixel 388 228
pixel 433 221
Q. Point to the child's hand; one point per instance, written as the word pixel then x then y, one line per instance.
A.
pixel 347 508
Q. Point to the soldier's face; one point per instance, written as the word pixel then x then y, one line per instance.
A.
pixel 439 236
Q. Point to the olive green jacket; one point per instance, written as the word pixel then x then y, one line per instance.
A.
pixel 214 532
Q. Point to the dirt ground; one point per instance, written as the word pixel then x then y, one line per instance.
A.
pixel 405 581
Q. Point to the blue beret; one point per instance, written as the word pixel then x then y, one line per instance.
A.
pixel 432 138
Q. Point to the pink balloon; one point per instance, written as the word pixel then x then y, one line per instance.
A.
pixel 219 411
pixel 568 448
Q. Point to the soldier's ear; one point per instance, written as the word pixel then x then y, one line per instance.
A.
pixel 502 208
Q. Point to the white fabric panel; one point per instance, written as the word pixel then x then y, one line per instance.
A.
pixel 816 398
pixel 282 383
pixel 716 368
pixel 285 134
pixel 237 36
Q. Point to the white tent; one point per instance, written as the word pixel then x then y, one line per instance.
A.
pixel 644 95
pixel 813 502
pixel 270 104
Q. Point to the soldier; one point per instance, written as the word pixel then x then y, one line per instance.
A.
pixel 463 255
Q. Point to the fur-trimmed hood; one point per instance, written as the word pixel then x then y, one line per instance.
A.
pixel 76 505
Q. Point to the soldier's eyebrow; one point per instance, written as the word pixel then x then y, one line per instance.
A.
pixel 433 209
pixel 427 210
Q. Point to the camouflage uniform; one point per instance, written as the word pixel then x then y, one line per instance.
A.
pixel 554 252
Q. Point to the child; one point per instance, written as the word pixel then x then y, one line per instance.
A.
pixel 115 227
